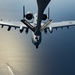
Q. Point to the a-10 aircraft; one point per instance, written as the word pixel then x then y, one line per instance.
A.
pixel 37 26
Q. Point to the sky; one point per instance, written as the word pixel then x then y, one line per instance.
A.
pixel 56 54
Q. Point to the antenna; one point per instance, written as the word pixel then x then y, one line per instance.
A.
pixel 48 12
pixel 24 12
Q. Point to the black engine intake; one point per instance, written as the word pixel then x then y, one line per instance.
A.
pixel 44 17
pixel 29 16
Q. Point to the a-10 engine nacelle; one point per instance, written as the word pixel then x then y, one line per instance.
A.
pixel 29 16
pixel 44 17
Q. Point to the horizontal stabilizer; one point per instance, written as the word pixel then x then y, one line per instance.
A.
pixel 28 24
pixel 46 24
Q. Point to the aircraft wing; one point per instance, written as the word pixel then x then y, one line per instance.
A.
pixel 62 24
pixel 13 24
